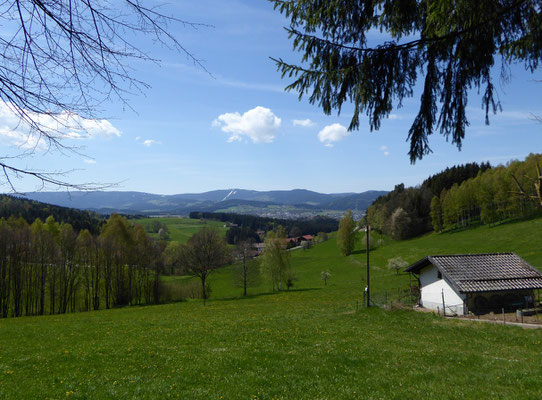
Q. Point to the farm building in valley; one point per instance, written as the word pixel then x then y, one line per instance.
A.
pixel 475 282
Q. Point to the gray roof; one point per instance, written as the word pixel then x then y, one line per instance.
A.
pixel 469 273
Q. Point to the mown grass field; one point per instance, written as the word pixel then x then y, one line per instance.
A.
pixel 306 344
pixel 180 229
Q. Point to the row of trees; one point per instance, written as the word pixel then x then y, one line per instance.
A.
pixel 495 195
pixel 306 225
pixel 206 251
pixel 238 234
pixel 49 268
pixel 273 264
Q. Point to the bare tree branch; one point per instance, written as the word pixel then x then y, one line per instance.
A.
pixel 54 178
pixel 537 183
pixel 63 59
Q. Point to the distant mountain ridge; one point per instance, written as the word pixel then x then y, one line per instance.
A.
pixel 148 203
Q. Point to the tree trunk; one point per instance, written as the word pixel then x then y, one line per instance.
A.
pixel 245 277
pixel 203 292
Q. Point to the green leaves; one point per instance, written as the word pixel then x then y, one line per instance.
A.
pixel 346 235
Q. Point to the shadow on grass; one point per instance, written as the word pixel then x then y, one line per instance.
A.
pixel 364 251
pixel 256 295
pixel 478 223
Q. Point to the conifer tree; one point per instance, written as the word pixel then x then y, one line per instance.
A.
pixel 450 46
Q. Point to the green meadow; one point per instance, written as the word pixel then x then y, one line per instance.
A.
pixel 180 229
pixel 309 343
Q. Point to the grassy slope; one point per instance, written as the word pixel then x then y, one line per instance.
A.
pixel 309 343
pixel 180 229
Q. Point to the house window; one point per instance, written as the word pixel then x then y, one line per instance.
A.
pixel 439 275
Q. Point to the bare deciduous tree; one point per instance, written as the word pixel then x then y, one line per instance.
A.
pixel 205 251
pixel 537 183
pixel 247 273
pixel 60 60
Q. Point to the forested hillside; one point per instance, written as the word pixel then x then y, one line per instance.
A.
pixel 405 212
pixel 502 193
pixel 29 210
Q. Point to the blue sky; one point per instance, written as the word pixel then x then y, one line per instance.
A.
pixel 192 132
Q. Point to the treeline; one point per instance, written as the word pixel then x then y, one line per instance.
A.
pixel 307 226
pixel 50 268
pixel 29 210
pixel 236 234
pixel 405 212
pixel 492 196
pixel 450 176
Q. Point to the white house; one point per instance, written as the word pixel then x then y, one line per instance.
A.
pixel 475 282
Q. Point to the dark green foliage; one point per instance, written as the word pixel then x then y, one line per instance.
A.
pixel 416 201
pixel 451 46
pixel 155 225
pixel 309 226
pixel 456 174
pixel 295 232
pixel 29 210
pixel 237 234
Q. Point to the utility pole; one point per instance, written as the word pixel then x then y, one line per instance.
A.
pixel 368 288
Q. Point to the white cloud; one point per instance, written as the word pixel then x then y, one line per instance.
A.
pixel 332 133
pixel 65 125
pixel 150 142
pixel 89 161
pixel 383 148
pixel 259 125
pixel 386 153
pixel 305 123
pixel 394 116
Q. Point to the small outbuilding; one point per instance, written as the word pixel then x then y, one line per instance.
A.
pixel 475 282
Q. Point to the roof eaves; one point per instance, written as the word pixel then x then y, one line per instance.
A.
pixel 527 264
pixel 418 265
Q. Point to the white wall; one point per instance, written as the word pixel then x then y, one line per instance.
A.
pixel 432 289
